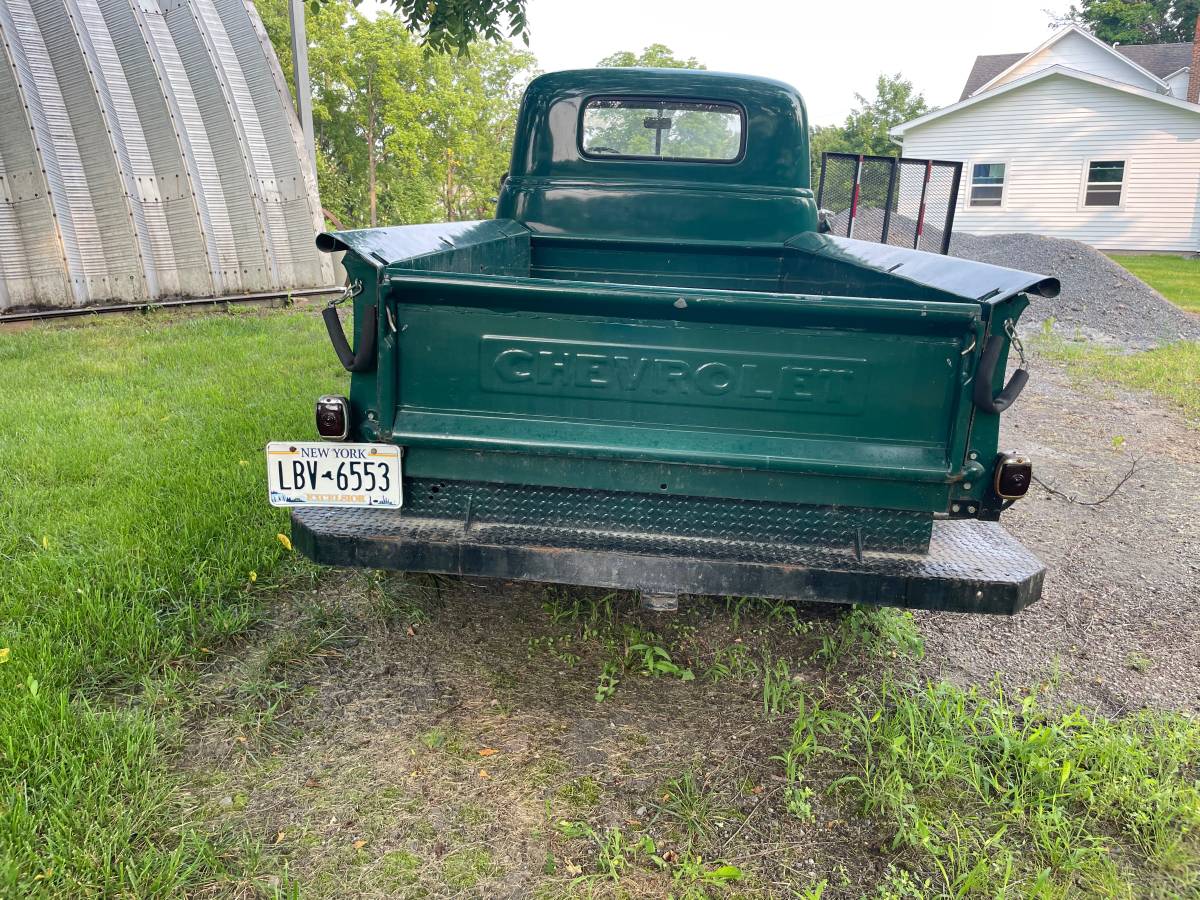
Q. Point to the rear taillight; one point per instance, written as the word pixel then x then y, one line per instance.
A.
pixel 1014 474
pixel 333 418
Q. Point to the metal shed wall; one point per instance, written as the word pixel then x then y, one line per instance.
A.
pixel 149 150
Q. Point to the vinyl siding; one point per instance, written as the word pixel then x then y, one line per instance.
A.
pixel 1074 51
pixel 1179 84
pixel 1045 133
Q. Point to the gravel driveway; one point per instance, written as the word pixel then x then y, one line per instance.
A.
pixel 1119 620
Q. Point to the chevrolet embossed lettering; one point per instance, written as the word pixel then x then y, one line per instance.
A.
pixel 647 374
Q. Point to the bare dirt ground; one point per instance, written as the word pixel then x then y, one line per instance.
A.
pixel 434 736
pixel 408 736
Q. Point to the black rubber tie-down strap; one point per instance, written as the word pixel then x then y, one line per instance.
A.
pixel 352 361
pixel 986 374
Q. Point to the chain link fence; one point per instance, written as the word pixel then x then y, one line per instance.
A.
pixel 890 200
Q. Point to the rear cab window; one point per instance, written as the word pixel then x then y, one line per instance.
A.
pixel 659 128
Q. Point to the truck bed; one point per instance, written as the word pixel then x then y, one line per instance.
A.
pixel 812 374
pixel 808 264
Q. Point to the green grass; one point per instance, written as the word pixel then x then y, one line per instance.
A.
pixel 1171 371
pixel 1175 277
pixel 979 793
pixel 1002 797
pixel 132 517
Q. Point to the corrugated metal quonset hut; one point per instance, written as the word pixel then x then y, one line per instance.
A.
pixel 148 150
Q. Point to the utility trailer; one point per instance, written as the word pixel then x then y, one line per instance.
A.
pixel 650 371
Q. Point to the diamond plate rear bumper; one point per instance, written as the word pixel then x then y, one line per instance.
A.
pixel 628 512
pixel 971 566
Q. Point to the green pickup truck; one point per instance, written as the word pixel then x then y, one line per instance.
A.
pixel 653 371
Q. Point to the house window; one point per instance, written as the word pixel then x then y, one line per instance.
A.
pixel 987 184
pixel 1105 179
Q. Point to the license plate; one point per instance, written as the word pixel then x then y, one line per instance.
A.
pixel 325 474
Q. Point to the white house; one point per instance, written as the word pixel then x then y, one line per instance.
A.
pixel 1076 139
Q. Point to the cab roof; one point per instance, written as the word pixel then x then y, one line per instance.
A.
pixel 776 126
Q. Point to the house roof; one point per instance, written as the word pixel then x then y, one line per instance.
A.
pixel 1060 71
pixel 1160 60
pixel 988 67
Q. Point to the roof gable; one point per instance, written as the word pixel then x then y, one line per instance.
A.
pixel 1076 48
pixel 1053 71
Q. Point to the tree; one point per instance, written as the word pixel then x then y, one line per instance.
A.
pixel 866 128
pixel 439 25
pixel 403 134
pixel 1135 21
pixel 445 25
pixel 656 56
pixel 370 110
pixel 474 120
pixel 896 101
pixel 824 139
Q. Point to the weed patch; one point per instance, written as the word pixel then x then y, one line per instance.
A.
pixel 596 623
pixel 879 631
pixel 581 793
pixel 687 805
pixel 800 750
pixel 993 796
pixel 748 610
pixel 1171 371
pixel 617 854
pixel 464 869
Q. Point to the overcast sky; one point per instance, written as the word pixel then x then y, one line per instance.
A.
pixel 828 49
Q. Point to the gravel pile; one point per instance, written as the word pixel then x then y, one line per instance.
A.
pixel 868 225
pixel 1100 300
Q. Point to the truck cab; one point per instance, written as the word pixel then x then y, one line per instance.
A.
pixel 677 155
pixel 651 371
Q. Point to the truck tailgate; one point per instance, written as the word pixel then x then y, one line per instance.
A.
pixel 791 398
